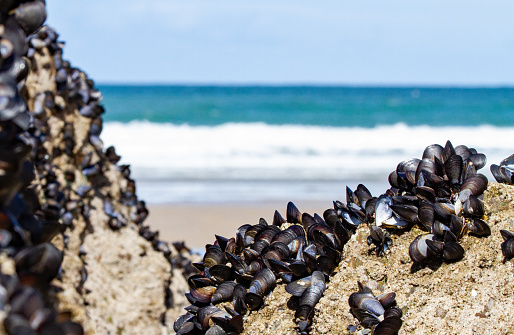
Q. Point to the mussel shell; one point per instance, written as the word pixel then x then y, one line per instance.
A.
pixel 308 220
pixel 479 228
pixel 201 295
pixel 499 174
pixel 205 314
pixel 280 268
pixel 278 220
pixel 468 170
pixel 452 251
pixel 223 292
pixel 253 301
pixel 394 180
pixel 331 217
pixel 367 301
pixel 443 211
pixel 297 287
pixel 387 300
pixel 263 282
pixel 393 312
pixel 476 184
pixel 418 249
pixel 311 296
pixel 425 193
pixel 389 326
pixel 237 263
pixel 479 160
pixel 508 248
pixel 458 227
pixel 179 322
pixel 366 318
pixel 448 151
pixel 382 209
pixel 198 280
pixel 38 265
pixel 453 169
pixel 363 194
pixel 213 256
pixel 293 214
pixel 238 302
pixel 473 207
pixel 288 235
pixel 433 150
pixel 277 251
pixel 297 245
pixel 406 212
pixel 506 234
pixel 215 330
pixel 219 273
pixel 325 239
pixel 426 214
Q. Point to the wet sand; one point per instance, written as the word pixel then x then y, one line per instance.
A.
pixel 196 224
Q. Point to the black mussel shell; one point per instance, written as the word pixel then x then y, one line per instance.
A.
pixel 387 300
pixel 213 256
pixel 363 194
pixel 452 251
pixel 479 160
pixel 223 292
pixel 201 295
pixel 448 151
pixel 418 249
pixel 393 312
pixel 278 220
pixel 479 228
pixel 506 234
pixel 215 330
pixel 453 169
pixel 433 150
pixel 476 184
pixel 508 248
pixel 308 220
pixel 473 207
pixel 389 326
pixel 38 265
pixel 293 214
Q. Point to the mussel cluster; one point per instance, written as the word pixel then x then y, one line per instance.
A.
pixel 301 250
pixel 504 173
pixel 380 313
pixel 26 223
pixel 441 193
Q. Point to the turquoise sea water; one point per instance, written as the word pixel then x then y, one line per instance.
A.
pixel 232 144
pixel 319 106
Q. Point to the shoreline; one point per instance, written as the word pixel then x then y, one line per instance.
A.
pixel 196 223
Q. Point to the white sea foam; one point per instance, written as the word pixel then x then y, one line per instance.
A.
pixel 257 151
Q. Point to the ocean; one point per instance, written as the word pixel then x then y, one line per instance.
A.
pixel 231 144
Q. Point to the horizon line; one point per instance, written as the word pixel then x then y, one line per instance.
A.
pixel 306 84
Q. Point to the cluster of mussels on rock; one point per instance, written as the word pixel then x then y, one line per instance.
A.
pixel 50 170
pixel 504 173
pixel 441 193
pixel 302 251
pixel 26 224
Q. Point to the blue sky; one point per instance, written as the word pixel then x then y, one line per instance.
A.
pixel 371 42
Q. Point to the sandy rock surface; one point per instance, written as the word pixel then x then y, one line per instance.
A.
pixel 472 296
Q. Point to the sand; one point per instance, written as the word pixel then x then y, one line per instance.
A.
pixel 196 224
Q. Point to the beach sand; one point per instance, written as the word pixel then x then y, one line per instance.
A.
pixel 196 224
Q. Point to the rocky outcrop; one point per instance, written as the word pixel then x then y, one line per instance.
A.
pixel 61 188
pixel 472 296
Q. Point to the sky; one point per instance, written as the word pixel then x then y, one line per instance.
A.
pixel 332 42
